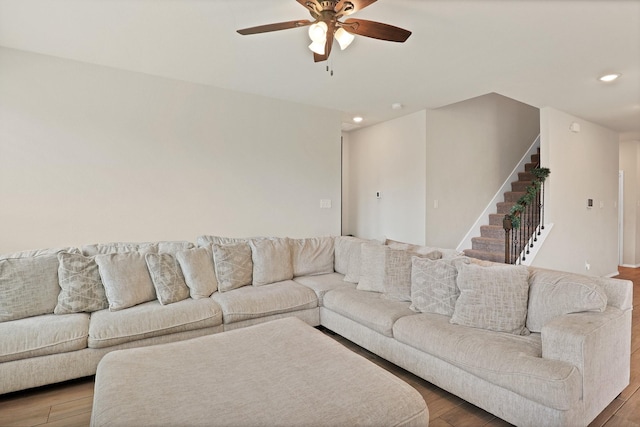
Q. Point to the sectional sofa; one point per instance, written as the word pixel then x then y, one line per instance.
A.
pixel 534 347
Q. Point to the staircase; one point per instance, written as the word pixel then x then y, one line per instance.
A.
pixel 490 246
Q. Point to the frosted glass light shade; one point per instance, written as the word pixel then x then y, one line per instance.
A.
pixel 317 47
pixel 344 38
pixel 318 32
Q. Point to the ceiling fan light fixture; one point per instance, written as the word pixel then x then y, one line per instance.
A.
pixel 344 38
pixel 318 32
pixel 608 78
pixel 317 47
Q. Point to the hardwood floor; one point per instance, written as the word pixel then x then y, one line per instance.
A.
pixel 69 404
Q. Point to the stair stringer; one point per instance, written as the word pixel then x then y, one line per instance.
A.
pixel 499 197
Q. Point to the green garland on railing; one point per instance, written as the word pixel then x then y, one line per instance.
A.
pixel 540 175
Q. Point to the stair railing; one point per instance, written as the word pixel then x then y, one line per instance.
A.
pixel 525 221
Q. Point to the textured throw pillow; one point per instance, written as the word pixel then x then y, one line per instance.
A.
pixel 433 285
pixel 199 271
pixel 233 264
pixel 554 293
pixel 372 268
pixel 493 298
pixel 397 272
pixel 312 256
pixel 446 253
pixel 271 261
pixel 119 247
pixel 82 289
pixel 167 278
pixel 126 279
pixel 28 286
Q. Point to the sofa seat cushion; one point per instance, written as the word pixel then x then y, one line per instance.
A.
pixel 151 319
pixel 370 309
pixel 511 361
pixel 43 335
pixel 250 302
pixel 324 283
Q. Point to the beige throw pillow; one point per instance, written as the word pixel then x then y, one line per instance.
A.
pixel 233 264
pixel 167 278
pixel 199 271
pixel 126 279
pixel 493 298
pixel 82 289
pixel 28 286
pixel 372 267
pixel 271 261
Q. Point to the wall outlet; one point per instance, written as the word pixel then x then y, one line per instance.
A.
pixel 587 266
pixel 378 194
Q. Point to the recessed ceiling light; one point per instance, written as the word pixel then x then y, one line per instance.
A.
pixel 358 119
pixel 396 106
pixel 609 77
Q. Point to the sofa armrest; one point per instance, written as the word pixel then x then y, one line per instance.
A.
pixel 599 345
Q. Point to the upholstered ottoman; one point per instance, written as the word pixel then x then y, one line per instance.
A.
pixel 280 373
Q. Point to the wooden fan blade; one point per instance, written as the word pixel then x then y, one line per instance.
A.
pixel 357 5
pixel 376 30
pixel 327 49
pixel 274 27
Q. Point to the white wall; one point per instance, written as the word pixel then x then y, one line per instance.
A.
pixel 388 157
pixel 92 154
pixel 630 164
pixel 472 148
pixel 583 166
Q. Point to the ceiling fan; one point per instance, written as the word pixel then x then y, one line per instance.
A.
pixel 327 26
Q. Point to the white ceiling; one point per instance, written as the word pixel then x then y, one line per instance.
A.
pixel 542 52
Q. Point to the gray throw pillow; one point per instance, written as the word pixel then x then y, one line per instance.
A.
pixel 167 278
pixel 433 286
pixel 234 267
pixel 397 272
pixel 126 279
pixel 493 298
pixel 199 271
pixel 82 289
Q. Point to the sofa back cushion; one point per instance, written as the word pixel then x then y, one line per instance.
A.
pixel 28 286
pixel 126 279
pixel 312 256
pixel 80 283
pixel 493 298
pixel 272 260
pixel 347 254
pixel 554 293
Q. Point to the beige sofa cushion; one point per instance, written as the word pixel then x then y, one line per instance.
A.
pixel 233 264
pixel 167 278
pixel 346 251
pixel 312 256
pixel 323 283
pixel 151 319
pixel 252 302
pixel 118 248
pixel 510 361
pixel 43 335
pixel 446 253
pixel 272 261
pixel 28 286
pixel 493 298
pixel 82 289
pixel 126 279
pixel 433 285
pixel 199 271
pixel 554 293
pixel 367 308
